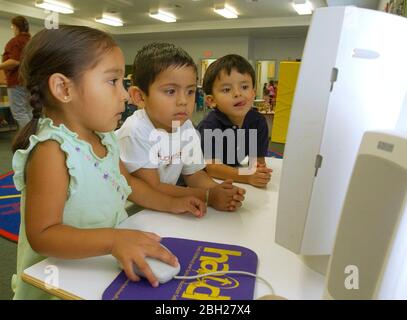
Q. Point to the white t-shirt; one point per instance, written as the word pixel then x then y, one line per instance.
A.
pixel 144 146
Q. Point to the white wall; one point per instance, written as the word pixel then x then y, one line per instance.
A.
pixel 382 4
pixel 5 33
pixel 278 49
pixel 194 46
pixel 251 48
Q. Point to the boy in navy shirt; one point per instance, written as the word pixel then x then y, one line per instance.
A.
pixel 233 130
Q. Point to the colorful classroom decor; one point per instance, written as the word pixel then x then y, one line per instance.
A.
pixel 9 208
pixel 286 88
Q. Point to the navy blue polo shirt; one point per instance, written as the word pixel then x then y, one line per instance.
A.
pixel 221 139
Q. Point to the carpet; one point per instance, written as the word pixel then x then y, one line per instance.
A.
pixel 9 208
pixel 274 154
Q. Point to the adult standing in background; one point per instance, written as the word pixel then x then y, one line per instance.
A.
pixel 272 93
pixel 18 95
pixel 266 92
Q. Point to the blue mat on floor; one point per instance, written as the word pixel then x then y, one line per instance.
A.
pixel 274 154
pixel 9 208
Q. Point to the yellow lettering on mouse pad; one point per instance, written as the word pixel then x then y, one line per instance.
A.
pixel 195 257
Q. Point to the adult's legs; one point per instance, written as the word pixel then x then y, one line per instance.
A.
pixel 19 105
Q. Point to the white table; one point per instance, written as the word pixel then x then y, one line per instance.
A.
pixel 251 226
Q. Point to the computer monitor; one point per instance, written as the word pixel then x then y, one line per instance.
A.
pixel 352 79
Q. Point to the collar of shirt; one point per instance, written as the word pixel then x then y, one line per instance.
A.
pixel 223 118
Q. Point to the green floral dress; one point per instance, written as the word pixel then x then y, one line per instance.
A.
pixel 96 195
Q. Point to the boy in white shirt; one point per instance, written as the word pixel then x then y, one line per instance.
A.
pixel 158 143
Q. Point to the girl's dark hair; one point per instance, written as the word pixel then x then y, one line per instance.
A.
pixel 226 63
pixel 21 23
pixel 156 57
pixel 70 50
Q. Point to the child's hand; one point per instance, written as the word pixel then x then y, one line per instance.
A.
pixel 189 204
pixel 226 196
pixel 131 247
pixel 238 197
pixel 261 177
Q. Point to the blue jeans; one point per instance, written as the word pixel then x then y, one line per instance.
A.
pixel 19 105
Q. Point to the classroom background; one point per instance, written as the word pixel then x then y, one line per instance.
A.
pixel 269 33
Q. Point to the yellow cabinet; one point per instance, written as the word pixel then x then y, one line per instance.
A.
pixel 285 94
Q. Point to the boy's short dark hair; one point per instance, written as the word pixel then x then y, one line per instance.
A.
pixel 154 58
pixel 226 63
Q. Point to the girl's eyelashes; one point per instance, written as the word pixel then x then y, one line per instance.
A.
pixel 225 90
pixel 245 86
pixel 113 81
pixel 191 92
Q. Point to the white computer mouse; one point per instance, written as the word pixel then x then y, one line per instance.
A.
pixel 161 270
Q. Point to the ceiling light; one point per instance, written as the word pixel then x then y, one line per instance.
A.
pixel 226 11
pixel 303 7
pixel 163 16
pixel 54 6
pixel 111 21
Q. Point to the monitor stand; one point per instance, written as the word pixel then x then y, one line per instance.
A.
pixel 317 263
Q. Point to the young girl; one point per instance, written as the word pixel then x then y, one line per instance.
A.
pixel 66 160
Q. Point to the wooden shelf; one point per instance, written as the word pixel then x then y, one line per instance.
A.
pixel 266 112
pixel 10 127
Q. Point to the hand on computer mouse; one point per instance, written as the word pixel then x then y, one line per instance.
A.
pixel 131 247
pixel 161 270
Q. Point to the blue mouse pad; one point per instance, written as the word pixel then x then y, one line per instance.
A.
pixel 195 257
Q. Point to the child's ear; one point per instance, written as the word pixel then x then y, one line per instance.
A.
pixel 137 96
pixel 60 87
pixel 210 101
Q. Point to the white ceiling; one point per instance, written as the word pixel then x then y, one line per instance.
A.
pixel 194 17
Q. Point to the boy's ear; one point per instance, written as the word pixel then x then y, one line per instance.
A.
pixel 137 96
pixel 60 87
pixel 210 101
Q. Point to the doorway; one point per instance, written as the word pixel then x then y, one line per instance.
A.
pixel 265 71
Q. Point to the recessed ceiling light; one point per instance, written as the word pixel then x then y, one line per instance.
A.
pixel 303 7
pixel 54 6
pixel 226 11
pixel 163 16
pixel 110 20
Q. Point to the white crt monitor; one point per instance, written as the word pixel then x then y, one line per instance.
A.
pixel 369 259
pixel 353 78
